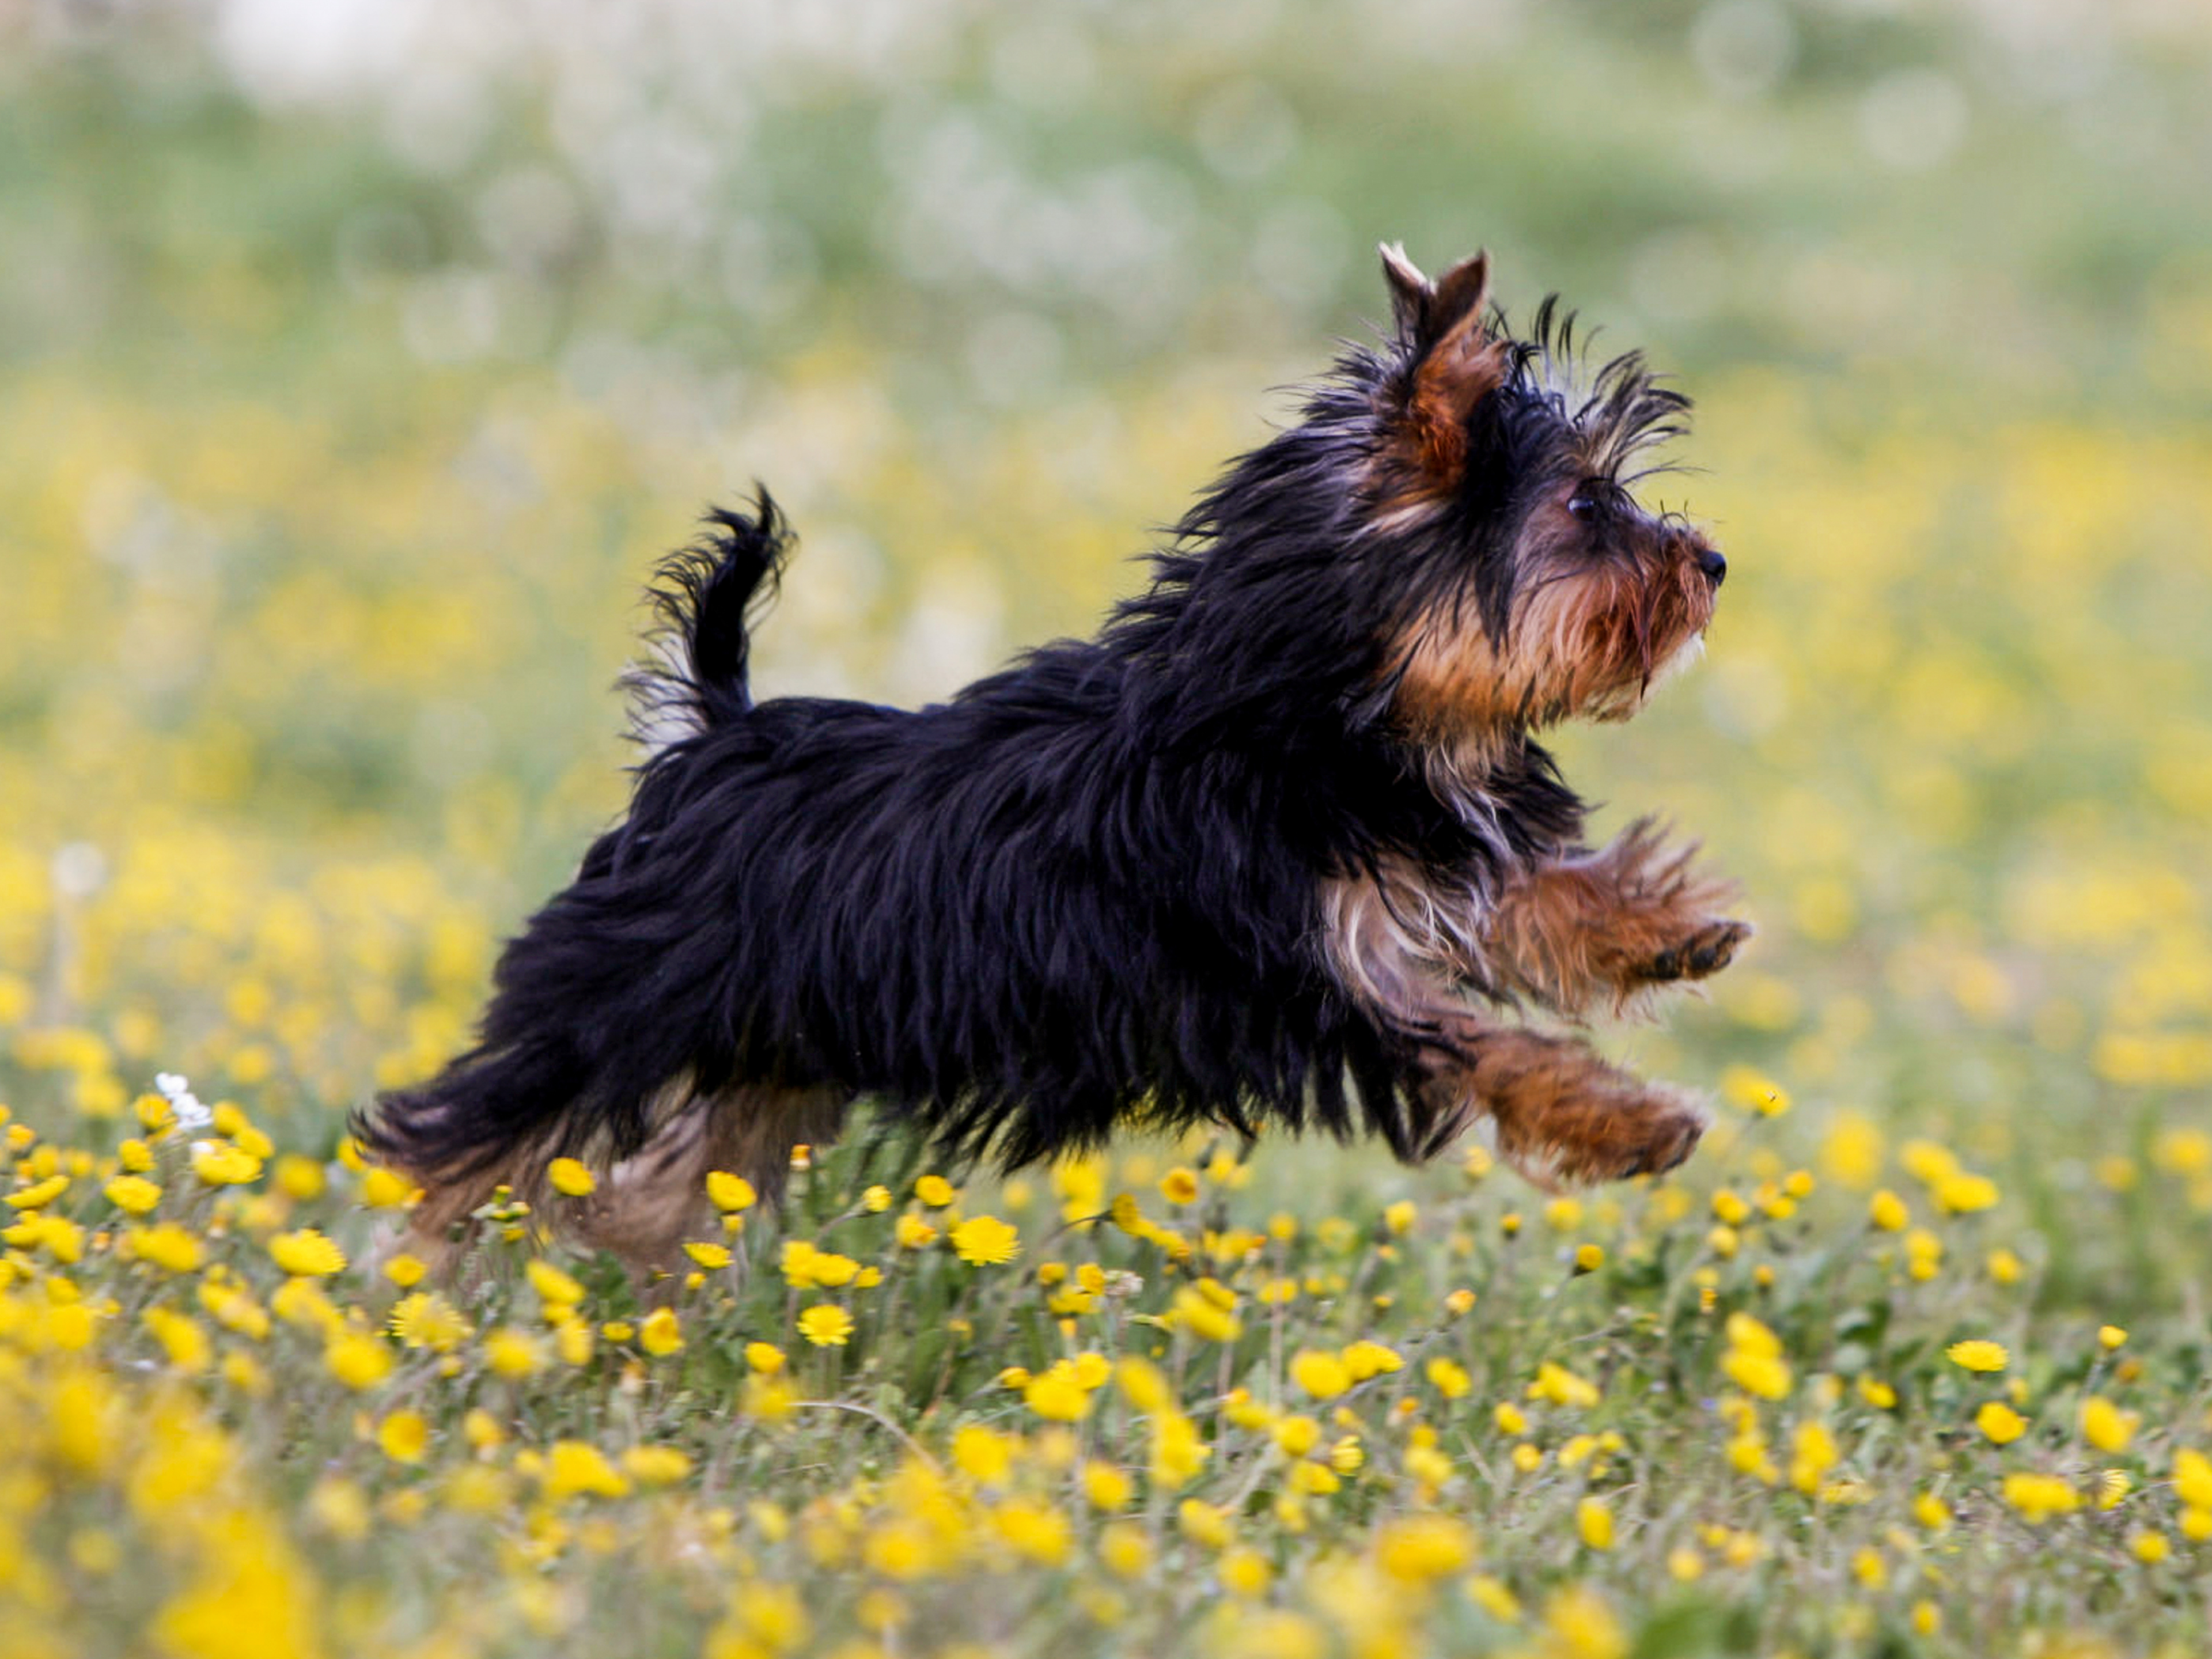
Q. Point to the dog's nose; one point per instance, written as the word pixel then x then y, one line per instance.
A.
pixel 1714 566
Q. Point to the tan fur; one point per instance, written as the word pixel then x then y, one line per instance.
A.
pixel 1609 926
pixel 1587 640
pixel 1408 949
pixel 645 1207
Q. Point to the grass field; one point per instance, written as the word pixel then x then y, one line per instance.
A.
pixel 348 388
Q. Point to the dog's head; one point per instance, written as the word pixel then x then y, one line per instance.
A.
pixel 1528 583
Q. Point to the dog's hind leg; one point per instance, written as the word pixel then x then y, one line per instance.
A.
pixel 648 1206
pixel 1562 1115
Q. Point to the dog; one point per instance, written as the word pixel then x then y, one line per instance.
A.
pixel 1277 849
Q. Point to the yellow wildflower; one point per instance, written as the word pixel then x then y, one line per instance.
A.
pixel 2105 1426
pixel 571 1178
pixel 2040 1496
pixel 826 1325
pixel 1594 1521
pixel 306 1253
pixel 133 1194
pixel 424 1319
pixel 2000 1422
pixel 404 1436
pixel 573 1467
pixel 935 1191
pixel 1977 1355
pixel 730 1192
pixel 1320 1374
pixel 358 1360
pixel 985 1241
pixel 660 1334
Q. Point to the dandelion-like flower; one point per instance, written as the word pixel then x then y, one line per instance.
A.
pixel 826 1325
pixel 306 1253
pixel 1977 1355
pixel 985 1241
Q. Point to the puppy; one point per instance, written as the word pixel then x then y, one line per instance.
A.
pixel 1277 848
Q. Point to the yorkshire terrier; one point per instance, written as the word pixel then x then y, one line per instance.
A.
pixel 1276 847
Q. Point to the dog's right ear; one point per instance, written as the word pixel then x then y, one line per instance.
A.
pixel 1453 362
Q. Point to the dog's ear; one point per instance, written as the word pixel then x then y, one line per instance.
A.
pixel 1453 362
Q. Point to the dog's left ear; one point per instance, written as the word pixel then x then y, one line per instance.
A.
pixel 1452 362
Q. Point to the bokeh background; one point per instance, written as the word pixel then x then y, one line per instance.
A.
pixel 357 359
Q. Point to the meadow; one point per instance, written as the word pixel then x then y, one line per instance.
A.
pixel 348 387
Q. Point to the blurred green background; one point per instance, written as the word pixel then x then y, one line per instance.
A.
pixel 356 359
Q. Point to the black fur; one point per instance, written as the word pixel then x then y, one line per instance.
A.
pixel 1082 893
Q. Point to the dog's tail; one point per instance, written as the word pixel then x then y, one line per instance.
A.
pixel 708 599
pixel 598 1004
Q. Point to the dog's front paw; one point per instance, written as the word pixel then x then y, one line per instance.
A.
pixel 1707 951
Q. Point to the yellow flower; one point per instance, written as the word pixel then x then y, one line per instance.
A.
pixel 935 1191
pixel 220 1163
pixel 425 1320
pixel 656 1466
pixel 765 1358
pixel 1365 1358
pixel 168 1246
pixel 511 1353
pixel 826 1325
pixel 1057 1396
pixel 1757 1373
pixel 730 1192
pixel 1448 1378
pixel 299 1177
pixel 2038 1496
pixel 1812 1454
pixel 571 1178
pixel 1320 1374
pixel 1034 1531
pixel 1420 1549
pixel 1105 1486
pixel 555 1288
pixel 2110 1337
pixel 1510 1419
pixel 1594 1523
pixel 1561 1387
pixel 403 1436
pixel 2192 1477
pixel 660 1334
pixel 1179 1185
pixel 1977 1355
pixel 1124 1550
pixel 709 1256
pixel 1244 1574
pixel 1931 1512
pixel 1204 1315
pixel 2149 1547
pixel 2105 1426
pixel 406 1271
pixel 1961 1194
pixel 306 1253
pixel 911 1232
pixel 985 1241
pixel 577 1466
pixel 2000 1422
pixel 133 1194
pixel 387 1189
pixel 1399 1218
pixel 181 1337
pixel 1887 1211
pixel 1589 1258
pixel 984 1455
pixel 1204 1523
pixel 358 1360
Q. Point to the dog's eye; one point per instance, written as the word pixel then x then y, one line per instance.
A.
pixel 1587 500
